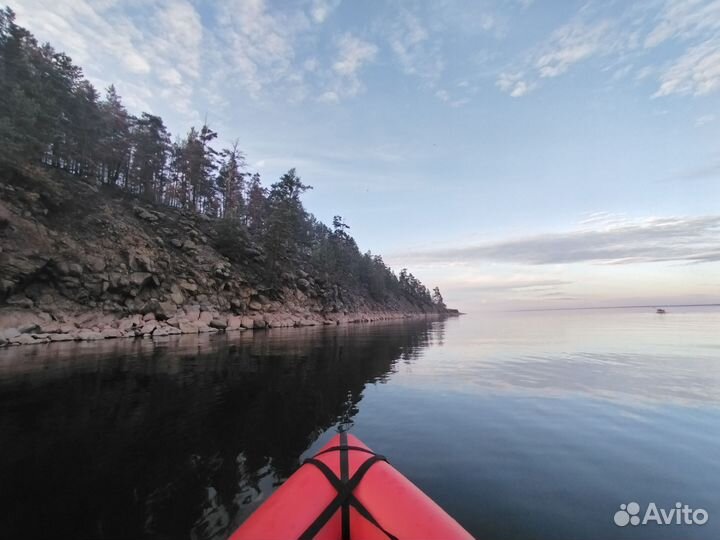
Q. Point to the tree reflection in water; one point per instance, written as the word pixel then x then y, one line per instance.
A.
pixel 181 438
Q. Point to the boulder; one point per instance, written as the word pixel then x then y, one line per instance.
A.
pixel 138 279
pixel 88 335
pixel 259 322
pixel 247 322
pixel 25 339
pixel 176 295
pixel 148 328
pixel 145 215
pixel 220 324
pixel 303 284
pixel 188 286
pixel 50 327
pixel 61 337
pixel 9 333
pixel 112 333
pixel 255 305
pixel 187 327
pixel 205 317
pixel 234 322
pixel 28 328
pixel 95 264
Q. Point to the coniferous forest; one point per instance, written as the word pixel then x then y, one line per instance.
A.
pixel 54 121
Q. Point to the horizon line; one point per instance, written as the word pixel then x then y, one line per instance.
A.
pixel 615 307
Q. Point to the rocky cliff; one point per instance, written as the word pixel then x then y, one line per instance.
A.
pixel 79 261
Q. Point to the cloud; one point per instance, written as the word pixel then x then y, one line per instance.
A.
pixel 321 9
pixel 415 51
pixel 571 44
pixel 684 19
pixel 494 283
pixel 354 52
pixel 696 72
pixel 153 55
pixel 259 43
pixel 352 55
pixel 568 45
pixel 682 239
pixel 514 84
pixel 704 120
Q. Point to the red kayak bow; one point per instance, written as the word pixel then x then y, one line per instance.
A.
pixel 347 492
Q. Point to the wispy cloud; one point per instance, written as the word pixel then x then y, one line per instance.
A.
pixel 682 239
pixel 568 45
pixel 321 9
pixel 571 44
pixel 704 120
pixel 353 54
pixel 514 283
pixel 153 52
pixel 696 72
pixel 260 43
pixel 514 84
pixel 416 52
pixel 684 19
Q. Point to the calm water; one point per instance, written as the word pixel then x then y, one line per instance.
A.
pixel 532 426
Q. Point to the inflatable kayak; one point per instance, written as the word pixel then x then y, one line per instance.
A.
pixel 347 492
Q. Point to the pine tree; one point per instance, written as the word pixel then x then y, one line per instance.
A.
pixel 231 182
pixel 114 145
pixel 150 147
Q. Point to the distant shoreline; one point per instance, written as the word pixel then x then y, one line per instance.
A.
pixel 645 306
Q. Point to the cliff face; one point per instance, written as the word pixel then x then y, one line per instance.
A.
pixel 80 263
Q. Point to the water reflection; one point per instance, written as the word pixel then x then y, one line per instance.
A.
pixel 180 438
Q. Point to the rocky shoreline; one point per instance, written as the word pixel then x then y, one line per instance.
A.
pixel 77 264
pixel 31 328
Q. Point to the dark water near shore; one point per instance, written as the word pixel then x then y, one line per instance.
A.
pixel 533 426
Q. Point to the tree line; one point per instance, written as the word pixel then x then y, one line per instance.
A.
pixel 51 115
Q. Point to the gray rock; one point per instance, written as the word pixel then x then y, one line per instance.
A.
pixel 259 322
pixel 186 327
pixel 9 333
pixel 188 286
pixel 220 324
pixel 28 328
pixel 88 335
pixel 25 339
pixel 75 269
pixel 247 322
pixel 138 279
pixel 111 333
pixel 303 284
pixel 95 263
pixel 21 302
pixel 148 328
pixel 61 337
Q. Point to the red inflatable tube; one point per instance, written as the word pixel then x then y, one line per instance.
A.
pixel 346 492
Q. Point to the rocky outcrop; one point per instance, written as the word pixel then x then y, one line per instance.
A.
pixel 76 264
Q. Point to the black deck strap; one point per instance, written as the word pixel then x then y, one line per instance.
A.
pixel 344 447
pixel 345 493
pixel 344 466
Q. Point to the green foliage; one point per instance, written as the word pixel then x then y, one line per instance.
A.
pixel 231 239
pixel 51 115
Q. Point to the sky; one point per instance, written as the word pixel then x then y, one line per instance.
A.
pixel 519 154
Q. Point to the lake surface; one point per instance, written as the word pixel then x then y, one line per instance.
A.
pixel 521 425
